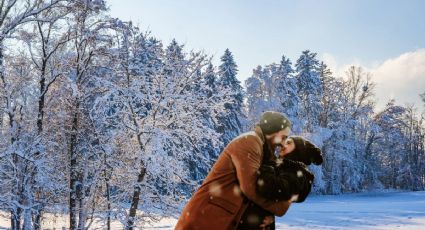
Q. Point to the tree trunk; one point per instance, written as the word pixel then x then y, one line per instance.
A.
pixel 2 77
pixel 82 214
pixel 37 218
pixel 41 99
pixel 27 219
pixel 141 176
pixel 135 200
pixel 74 183
pixel 15 219
pixel 41 106
pixel 108 198
pixel 15 215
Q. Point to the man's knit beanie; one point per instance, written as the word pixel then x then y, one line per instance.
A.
pixel 272 122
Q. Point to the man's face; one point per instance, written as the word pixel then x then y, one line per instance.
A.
pixel 280 136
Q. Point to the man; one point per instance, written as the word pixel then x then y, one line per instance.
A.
pixel 223 197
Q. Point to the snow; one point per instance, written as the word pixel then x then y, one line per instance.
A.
pixel 372 210
pixel 384 210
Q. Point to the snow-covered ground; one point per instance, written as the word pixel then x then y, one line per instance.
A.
pixel 383 210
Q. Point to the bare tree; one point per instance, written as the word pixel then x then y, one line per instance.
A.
pixel 90 41
pixel 43 42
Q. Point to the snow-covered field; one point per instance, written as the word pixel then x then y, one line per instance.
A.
pixel 387 210
pixel 383 210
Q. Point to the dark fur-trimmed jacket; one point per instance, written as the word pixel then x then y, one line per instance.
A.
pixel 284 180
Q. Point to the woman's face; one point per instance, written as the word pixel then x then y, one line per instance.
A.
pixel 288 146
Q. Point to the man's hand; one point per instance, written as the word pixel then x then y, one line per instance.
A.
pixel 266 222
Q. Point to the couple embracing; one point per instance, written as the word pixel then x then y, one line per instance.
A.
pixel 248 185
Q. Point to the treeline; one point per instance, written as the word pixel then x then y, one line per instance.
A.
pixel 364 148
pixel 104 122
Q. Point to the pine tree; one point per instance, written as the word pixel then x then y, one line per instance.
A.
pixel 232 120
pixel 310 89
pixel 210 80
pixel 327 80
pixel 287 92
pixel 257 100
pixel 273 88
pixel 174 59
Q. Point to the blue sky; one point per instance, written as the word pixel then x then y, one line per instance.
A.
pixel 373 34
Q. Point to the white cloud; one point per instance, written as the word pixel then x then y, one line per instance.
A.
pixel 401 78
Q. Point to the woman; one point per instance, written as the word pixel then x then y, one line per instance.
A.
pixel 285 179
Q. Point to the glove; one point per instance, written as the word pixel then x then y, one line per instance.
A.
pixel 315 153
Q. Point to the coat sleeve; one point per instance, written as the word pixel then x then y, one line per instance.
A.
pixel 306 185
pixel 284 181
pixel 277 185
pixel 246 155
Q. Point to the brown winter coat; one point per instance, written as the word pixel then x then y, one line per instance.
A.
pixel 223 197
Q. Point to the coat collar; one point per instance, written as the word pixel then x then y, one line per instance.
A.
pixel 260 134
